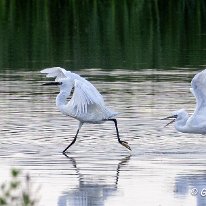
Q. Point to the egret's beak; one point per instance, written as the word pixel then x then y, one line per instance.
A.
pixel 51 83
pixel 173 117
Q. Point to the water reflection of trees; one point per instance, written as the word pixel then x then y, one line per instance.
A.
pixel 92 188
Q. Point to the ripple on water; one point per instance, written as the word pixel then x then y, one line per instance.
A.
pixel 164 162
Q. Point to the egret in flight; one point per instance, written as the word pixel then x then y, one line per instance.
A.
pixel 86 103
pixel 196 123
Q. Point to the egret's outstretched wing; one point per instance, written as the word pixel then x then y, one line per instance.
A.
pixel 57 72
pixel 83 96
pixel 84 92
pixel 90 87
pixel 199 91
pixel 60 73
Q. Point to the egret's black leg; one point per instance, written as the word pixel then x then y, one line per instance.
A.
pixel 74 140
pixel 123 143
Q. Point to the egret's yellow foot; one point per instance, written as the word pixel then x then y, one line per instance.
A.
pixel 125 144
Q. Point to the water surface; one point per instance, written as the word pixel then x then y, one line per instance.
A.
pixel 162 168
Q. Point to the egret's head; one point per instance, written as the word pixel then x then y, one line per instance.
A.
pixel 177 116
pixel 63 83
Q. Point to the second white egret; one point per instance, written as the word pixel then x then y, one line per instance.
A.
pixel 86 103
pixel 196 123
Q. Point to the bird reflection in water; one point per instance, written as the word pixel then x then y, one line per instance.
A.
pixel 192 185
pixel 90 191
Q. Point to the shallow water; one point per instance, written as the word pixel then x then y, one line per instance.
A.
pixel 162 168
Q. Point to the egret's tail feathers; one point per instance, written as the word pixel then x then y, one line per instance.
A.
pixel 111 114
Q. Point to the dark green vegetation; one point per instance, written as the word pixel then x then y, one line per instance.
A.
pixel 129 34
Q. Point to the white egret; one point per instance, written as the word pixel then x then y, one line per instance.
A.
pixel 196 123
pixel 86 103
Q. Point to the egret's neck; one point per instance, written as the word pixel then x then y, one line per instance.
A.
pixel 181 124
pixel 61 101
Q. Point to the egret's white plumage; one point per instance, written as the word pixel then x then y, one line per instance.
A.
pixel 196 123
pixel 86 104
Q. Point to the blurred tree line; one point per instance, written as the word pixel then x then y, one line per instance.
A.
pixel 129 34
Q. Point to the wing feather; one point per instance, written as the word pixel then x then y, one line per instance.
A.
pixel 56 72
pixel 199 91
pixel 83 96
pixel 60 73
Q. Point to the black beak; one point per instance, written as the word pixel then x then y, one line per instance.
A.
pixel 51 83
pixel 173 117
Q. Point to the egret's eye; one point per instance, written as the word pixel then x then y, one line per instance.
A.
pixel 59 83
